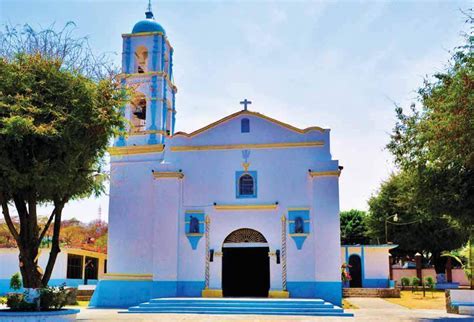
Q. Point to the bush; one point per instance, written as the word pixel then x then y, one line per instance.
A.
pixel 71 296
pixel 415 281
pixel 16 302
pixel 15 282
pixel 51 298
pixel 405 281
pixel 429 282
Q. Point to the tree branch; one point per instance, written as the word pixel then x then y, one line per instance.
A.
pixel 8 219
pixel 46 227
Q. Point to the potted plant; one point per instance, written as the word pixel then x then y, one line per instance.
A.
pixel 345 275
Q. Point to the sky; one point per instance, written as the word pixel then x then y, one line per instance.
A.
pixel 341 65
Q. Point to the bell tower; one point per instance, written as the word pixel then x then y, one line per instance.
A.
pixel 147 70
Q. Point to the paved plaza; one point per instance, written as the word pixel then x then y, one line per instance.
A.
pixel 370 309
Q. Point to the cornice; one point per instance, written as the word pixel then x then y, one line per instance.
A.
pixel 135 149
pixel 128 277
pixel 188 148
pixel 234 207
pixel 313 174
pixel 247 112
pixel 168 174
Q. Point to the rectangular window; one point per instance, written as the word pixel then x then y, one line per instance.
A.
pixel 74 266
pixel 245 126
pixel 105 266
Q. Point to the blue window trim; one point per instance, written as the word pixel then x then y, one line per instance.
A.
pixel 245 125
pixel 238 174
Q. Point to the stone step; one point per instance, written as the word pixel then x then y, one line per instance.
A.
pixel 236 304
pixel 238 300
pixel 85 292
pixel 304 307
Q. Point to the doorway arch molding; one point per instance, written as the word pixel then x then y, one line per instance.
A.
pixel 245 235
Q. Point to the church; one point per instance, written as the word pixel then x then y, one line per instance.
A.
pixel 247 206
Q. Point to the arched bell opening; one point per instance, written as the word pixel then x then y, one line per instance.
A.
pixel 138 113
pixel 245 264
pixel 141 60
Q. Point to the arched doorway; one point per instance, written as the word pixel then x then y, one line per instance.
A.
pixel 245 264
pixel 355 270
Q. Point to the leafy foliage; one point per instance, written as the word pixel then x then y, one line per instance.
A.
pixel 405 281
pixel 436 142
pixel 353 227
pixel 416 229
pixel 15 282
pixel 50 298
pixel 56 120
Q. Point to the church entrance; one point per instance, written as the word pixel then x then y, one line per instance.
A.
pixel 245 264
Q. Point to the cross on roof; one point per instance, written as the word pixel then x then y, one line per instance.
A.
pixel 245 102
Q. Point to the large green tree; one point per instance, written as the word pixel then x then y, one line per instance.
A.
pixel 435 142
pixel 395 214
pixel 353 227
pixel 58 112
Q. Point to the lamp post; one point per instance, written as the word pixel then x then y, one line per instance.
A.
pixel 395 219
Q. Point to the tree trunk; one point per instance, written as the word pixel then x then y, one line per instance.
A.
pixel 28 239
pixel 58 210
pixel 439 263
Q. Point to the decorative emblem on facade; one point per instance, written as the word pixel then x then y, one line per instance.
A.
pixel 245 156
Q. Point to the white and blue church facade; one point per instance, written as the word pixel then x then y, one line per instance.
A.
pixel 247 206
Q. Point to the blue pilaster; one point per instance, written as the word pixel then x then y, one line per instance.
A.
pixel 155 52
pixel 121 139
pixel 173 116
pixel 362 264
pixel 128 45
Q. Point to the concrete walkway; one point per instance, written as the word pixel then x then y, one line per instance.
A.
pixel 370 309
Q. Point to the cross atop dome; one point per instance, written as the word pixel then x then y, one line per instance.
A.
pixel 148 12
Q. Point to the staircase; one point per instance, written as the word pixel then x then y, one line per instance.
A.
pixel 84 295
pixel 264 306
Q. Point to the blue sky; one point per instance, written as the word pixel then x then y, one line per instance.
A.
pixel 335 64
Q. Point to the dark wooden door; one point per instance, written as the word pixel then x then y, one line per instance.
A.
pixel 245 272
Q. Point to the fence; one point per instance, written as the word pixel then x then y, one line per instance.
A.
pixel 458 275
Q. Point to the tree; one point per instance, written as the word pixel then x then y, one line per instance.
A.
pixel 415 231
pixel 353 227
pixel 59 107
pixel 436 142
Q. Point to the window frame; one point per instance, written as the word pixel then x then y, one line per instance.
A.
pixel 238 175
pixel 70 267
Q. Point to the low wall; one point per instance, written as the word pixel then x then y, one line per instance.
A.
pixel 457 273
pixel 371 292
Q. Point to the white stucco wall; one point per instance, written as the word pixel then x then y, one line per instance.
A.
pixel 146 219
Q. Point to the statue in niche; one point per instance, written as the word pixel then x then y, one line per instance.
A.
pixel 299 225
pixel 193 225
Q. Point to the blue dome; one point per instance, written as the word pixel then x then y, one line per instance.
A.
pixel 148 25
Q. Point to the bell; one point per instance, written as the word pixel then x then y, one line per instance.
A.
pixel 140 113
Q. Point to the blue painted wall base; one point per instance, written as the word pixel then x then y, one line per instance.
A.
pixel 329 291
pixel 5 284
pixel 123 294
